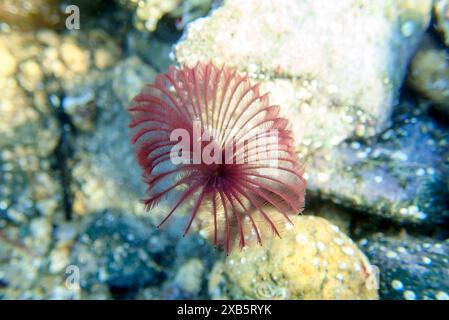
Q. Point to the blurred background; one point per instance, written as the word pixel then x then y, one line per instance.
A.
pixel 365 85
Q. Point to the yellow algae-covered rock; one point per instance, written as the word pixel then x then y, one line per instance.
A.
pixel 429 74
pixel 313 260
pixel 441 11
pixel 335 214
pixel 31 15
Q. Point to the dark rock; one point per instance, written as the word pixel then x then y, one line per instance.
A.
pixel 105 172
pixel 398 175
pixel 410 268
pixel 118 250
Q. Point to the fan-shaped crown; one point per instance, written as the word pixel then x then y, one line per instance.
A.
pixel 206 134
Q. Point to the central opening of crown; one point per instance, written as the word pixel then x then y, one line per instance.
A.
pixel 218 170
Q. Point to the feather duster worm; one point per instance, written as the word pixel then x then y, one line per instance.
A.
pixel 206 136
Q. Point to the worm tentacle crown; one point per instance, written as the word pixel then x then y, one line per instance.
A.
pixel 205 135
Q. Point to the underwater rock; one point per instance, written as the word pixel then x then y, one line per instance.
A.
pixel 188 281
pixel 117 250
pixel 24 245
pixel 441 11
pixel 29 134
pixel 32 14
pixel 148 13
pixel 65 234
pixel 313 260
pixel 29 284
pixel 26 122
pixel 150 49
pixel 126 255
pixel 102 53
pixel 33 131
pixel 9 63
pixel 26 129
pixel 30 202
pixel 29 266
pixel 82 52
pixel 410 268
pixel 190 267
pixel 335 68
pixel 429 75
pixel 28 187
pixel 44 64
pixel 398 175
pixel 36 14
pixel 34 153
pixel 105 173
pixel 336 215
pixel 189 276
pixel 192 10
pixel 75 57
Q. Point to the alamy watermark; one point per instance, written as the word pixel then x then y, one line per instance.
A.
pixel 73 21
pixel 241 146
pixel 72 281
